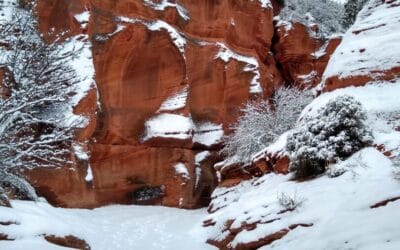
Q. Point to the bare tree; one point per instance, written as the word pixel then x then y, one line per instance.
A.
pixel 35 85
pixel 262 123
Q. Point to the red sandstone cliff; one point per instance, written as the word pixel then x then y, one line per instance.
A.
pixel 170 76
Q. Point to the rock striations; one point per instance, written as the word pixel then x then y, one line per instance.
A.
pixel 171 77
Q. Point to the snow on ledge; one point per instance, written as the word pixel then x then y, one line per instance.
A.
pixel 176 101
pixel 83 19
pixel 89 175
pixel 181 170
pixel 168 126
pixel 225 54
pixel 163 4
pixel 182 128
pixel 200 157
pixel 208 133
pixel 80 152
pixel 177 38
pixel 83 155
pixel 266 4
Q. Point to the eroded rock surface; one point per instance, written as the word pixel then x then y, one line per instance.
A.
pixel 171 77
pixel 302 54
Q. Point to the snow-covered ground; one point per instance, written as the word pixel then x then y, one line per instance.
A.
pixel 335 209
pixel 112 227
pixel 371 45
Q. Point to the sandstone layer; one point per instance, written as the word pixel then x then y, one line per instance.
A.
pixel 171 78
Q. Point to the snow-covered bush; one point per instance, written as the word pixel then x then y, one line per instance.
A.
pixel 289 202
pixel 36 85
pixel 334 134
pixel 326 13
pixel 261 124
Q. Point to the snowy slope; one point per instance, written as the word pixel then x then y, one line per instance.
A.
pixel 333 212
pixel 372 44
pixel 336 212
pixel 113 227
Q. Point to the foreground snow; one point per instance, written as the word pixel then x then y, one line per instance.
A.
pixel 112 227
pixel 337 211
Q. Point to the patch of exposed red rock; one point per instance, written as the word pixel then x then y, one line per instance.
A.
pixel 385 202
pixel 301 55
pixel 231 232
pixel 68 241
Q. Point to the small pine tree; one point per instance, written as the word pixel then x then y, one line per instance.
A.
pixel 351 9
pixel 334 134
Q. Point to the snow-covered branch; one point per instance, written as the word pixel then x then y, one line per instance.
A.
pixel 263 122
pixel 35 85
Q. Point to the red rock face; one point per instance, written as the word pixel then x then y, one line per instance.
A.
pixel 138 68
pixel 302 56
pixel 213 55
pixel 336 82
pixel 264 163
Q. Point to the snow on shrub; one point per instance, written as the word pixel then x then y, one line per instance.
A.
pixel 290 202
pixel 327 14
pixel 260 125
pixel 334 134
pixel 35 129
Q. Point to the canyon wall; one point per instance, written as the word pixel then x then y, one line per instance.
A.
pixel 246 216
pixel 171 78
